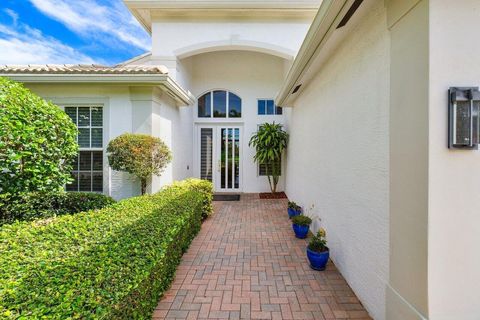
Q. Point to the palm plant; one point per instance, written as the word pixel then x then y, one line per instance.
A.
pixel 269 142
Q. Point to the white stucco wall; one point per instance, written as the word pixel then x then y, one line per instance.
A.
pixel 251 76
pixel 179 37
pixel 176 38
pixel 454 175
pixel 132 109
pixel 174 126
pixel 337 162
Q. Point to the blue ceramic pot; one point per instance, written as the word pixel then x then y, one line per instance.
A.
pixel 318 260
pixel 301 232
pixel 292 213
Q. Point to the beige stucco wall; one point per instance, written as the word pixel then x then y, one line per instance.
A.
pixel 407 290
pixel 454 184
pixel 337 166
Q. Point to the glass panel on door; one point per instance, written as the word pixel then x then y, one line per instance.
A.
pixel 206 153
pixel 229 162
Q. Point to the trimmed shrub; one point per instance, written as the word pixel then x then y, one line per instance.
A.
pixel 205 188
pixel 37 142
pixel 110 264
pixel 36 205
pixel 138 154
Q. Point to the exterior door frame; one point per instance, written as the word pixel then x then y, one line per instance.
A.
pixel 216 153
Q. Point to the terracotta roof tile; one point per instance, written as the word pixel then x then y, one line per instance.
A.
pixel 81 69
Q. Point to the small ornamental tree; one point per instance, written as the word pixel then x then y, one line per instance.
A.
pixel 37 142
pixel 269 142
pixel 140 155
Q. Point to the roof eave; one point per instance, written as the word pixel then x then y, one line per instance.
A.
pixel 145 24
pixel 171 87
pixel 324 24
pixel 182 96
pixel 298 8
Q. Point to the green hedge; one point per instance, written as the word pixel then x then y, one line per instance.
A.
pixel 110 264
pixel 36 205
pixel 205 188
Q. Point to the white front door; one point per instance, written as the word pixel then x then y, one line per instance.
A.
pixel 220 157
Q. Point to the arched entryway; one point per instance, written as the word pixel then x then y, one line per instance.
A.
pixel 220 142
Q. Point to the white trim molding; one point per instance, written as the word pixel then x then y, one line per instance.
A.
pixel 234 44
pixel 163 81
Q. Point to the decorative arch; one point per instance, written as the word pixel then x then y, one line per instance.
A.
pixel 219 104
pixel 243 45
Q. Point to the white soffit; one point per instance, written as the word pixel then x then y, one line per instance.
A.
pixel 146 10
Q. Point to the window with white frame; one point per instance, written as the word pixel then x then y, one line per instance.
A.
pixel 219 104
pixel 88 168
pixel 268 107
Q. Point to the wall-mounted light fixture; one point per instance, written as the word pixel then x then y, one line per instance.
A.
pixel 463 117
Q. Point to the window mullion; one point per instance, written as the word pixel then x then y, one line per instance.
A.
pixel 90 127
pixel 211 104
pixel 227 105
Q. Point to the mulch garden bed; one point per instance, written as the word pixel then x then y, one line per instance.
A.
pixel 276 195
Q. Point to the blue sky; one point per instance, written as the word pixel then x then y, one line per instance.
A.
pixel 69 31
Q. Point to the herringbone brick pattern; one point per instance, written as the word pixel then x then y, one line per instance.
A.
pixel 247 264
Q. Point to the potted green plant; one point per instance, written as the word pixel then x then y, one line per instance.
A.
pixel 293 209
pixel 301 225
pixel 269 142
pixel 317 251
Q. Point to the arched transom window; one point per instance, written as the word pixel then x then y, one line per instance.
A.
pixel 219 104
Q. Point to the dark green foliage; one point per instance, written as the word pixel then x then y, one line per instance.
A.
pixel 110 264
pixel 37 142
pixel 74 202
pixel 205 188
pixel 294 206
pixel 318 243
pixel 269 142
pixel 301 220
pixel 37 205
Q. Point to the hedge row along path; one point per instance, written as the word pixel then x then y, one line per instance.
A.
pixel 246 263
pixel 113 263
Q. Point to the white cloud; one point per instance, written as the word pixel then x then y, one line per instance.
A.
pixel 12 14
pixel 90 18
pixel 21 44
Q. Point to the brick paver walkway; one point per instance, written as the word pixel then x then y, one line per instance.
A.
pixel 247 264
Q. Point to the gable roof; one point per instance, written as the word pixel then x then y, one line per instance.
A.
pixel 81 69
